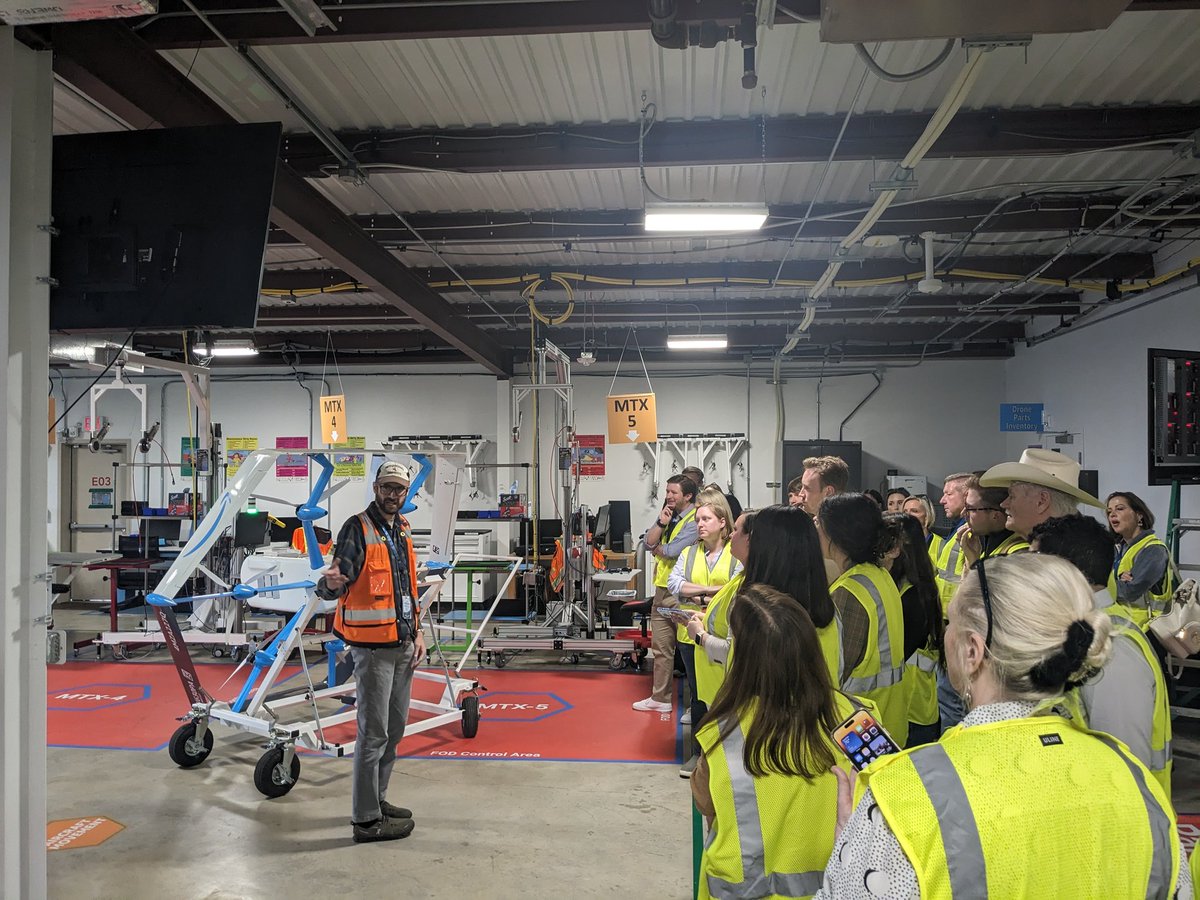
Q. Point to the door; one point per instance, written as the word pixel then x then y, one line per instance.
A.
pixel 91 487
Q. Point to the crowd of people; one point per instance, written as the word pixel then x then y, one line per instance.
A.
pixel 1007 655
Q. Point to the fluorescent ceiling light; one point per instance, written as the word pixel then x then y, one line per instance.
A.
pixel 226 348
pixel 686 217
pixel 697 342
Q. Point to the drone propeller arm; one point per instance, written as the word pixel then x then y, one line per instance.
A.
pixel 310 512
pixel 426 466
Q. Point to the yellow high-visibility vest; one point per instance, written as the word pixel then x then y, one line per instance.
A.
pixel 664 565
pixel 880 674
pixel 948 568
pixel 1033 807
pixel 695 564
pixel 1159 737
pixel 710 675
pixel 1154 602
pixel 772 835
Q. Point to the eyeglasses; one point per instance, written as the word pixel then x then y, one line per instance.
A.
pixel 972 509
pixel 987 601
pixel 391 490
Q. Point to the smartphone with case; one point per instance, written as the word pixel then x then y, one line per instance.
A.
pixel 675 614
pixel 863 739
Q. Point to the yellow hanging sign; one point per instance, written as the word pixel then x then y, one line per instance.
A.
pixel 632 419
pixel 333 419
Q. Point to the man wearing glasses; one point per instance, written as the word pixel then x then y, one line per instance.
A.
pixel 374 577
pixel 984 535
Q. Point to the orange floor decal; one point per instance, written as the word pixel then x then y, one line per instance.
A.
pixel 69 834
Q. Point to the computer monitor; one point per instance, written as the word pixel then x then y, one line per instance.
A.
pixel 283 533
pixel 251 529
pixel 155 531
pixel 600 535
pixel 549 530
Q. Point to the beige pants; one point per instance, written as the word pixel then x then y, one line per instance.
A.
pixel 662 641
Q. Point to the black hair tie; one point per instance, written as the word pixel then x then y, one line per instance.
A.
pixel 1056 670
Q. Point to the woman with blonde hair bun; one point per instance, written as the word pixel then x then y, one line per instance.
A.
pixel 1016 800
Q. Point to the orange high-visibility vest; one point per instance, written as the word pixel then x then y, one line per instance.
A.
pixel 366 614
pixel 299 542
pixel 558 567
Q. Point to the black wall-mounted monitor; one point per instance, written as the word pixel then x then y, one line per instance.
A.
pixel 161 227
pixel 1173 416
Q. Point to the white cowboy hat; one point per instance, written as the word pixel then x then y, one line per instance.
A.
pixel 1045 468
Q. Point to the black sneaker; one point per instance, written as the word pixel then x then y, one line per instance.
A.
pixel 383 830
pixel 394 812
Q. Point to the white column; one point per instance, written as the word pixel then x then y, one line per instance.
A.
pixel 26 117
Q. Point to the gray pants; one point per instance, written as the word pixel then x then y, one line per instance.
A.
pixel 384 678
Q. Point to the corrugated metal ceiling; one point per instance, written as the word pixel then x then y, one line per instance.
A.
pixel 847 182
pixel 600 77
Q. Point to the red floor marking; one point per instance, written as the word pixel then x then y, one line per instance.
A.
pixel 524 714
pixel 124 706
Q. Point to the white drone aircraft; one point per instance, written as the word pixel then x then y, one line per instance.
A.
pixel 288 583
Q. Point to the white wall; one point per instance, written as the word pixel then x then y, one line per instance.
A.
pixel 1093 382
pixel 929 420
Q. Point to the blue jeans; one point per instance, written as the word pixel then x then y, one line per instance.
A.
pixel 384 686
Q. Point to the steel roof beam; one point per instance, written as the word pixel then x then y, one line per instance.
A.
pixel 612 313
pixel 1120 266
pixel 989 133
pixel 747 337
pixel 416 21
pixel 138 84
pixel 1026 214
pixel 399 21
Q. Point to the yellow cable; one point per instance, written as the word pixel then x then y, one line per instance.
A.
pixel 533 283
pixel 530 293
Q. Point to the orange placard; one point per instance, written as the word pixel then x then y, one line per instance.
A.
pixel 632 419
pixel 67 834
pixel 333 418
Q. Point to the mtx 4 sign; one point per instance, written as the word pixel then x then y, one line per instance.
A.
pixel 88 697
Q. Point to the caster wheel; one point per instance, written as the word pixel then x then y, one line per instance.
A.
pixel 501 662
pixel 470 716
pixel 218 652
pixel 185 750
pixel 238 654
pixel 270 777
pixel 618 662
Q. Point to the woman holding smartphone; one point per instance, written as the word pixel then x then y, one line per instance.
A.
pixel 785 554
pixel 764 782
pixel 1016 800
pixel 699 573
pixel 854 537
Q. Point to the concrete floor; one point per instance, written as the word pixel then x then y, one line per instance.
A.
pixel 484 828
pixel 494 829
